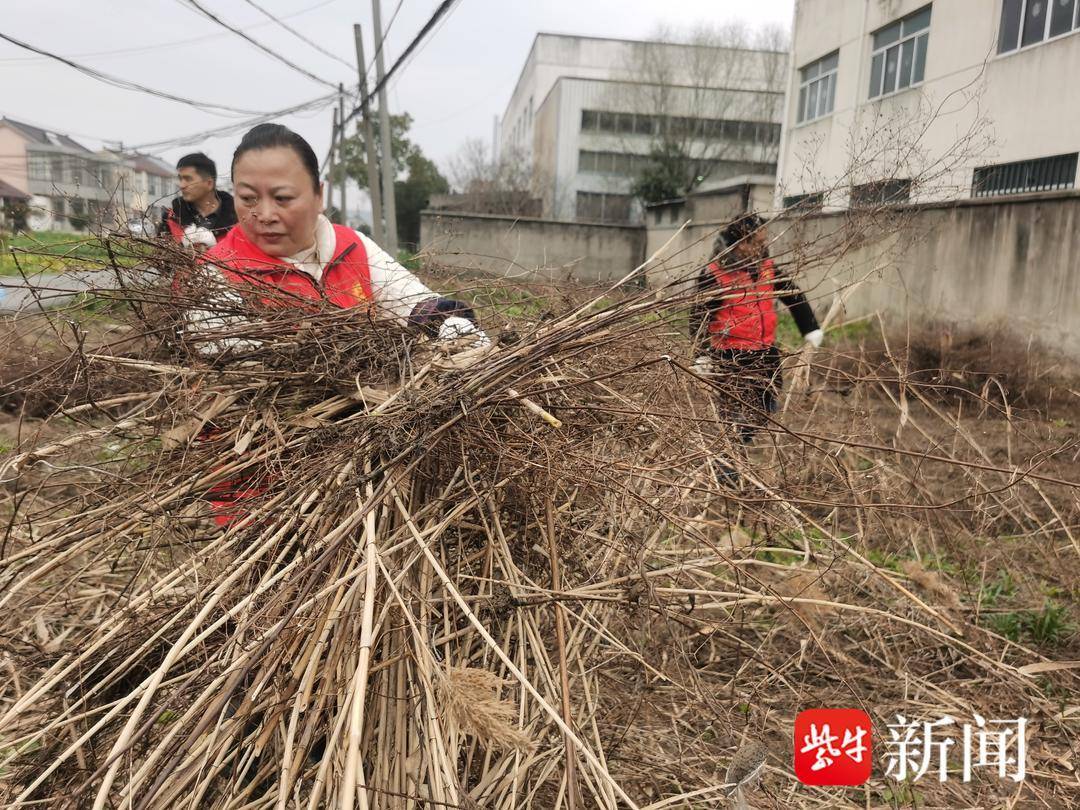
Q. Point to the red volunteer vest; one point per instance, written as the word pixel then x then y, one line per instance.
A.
pixel 746 320
pixel 174 226
pixel 346 279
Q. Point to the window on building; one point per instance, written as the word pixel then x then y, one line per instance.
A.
pixel 1028 22
pixel 899 56
pixel 805 202
pixel 596 207
pixel 611 162
pixel 1024 176
pixel 39 167
pixel 619 123
pixel 817 87
pixel 880 192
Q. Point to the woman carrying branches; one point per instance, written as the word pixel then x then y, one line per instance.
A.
pixel 284 244
pixel 733 323
pixel 285 252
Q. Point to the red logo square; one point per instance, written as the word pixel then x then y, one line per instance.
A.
pixel 832 747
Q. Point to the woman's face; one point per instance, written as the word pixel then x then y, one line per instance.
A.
pixel 276 204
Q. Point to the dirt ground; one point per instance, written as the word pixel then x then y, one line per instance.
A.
pixel 948 467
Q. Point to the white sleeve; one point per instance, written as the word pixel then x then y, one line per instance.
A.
pixel 221 296
pixel 395 289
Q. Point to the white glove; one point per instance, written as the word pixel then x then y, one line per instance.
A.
pixel 194 236
pixel 814 338
pixel 703 365
pixel 456 327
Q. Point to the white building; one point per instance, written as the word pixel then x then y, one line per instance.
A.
pixel 586 112
pixel 896 100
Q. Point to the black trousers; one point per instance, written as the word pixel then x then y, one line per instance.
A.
pixel 750 383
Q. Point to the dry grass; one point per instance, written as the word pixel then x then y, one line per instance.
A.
pixel 384 630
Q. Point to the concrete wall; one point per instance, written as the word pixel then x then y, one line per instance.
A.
pixel 974 107
pixel 532 249
pixel 975 262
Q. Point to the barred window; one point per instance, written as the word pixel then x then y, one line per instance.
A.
pixel 881 192
pixel 805 202
pixel 1025 176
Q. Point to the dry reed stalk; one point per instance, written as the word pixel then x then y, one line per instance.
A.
pixel 390 626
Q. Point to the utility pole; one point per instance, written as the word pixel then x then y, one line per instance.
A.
pixel 341 154
pixel 384 124
pixel 330 171
pixel 369 143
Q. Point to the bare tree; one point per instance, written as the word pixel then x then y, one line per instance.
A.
pixel 706 101
pixel 505 185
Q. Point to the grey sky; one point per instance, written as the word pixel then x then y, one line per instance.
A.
pixel 459 80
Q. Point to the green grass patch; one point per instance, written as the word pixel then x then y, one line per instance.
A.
pixel 57 252
pixel 1050 626
pixel 408 260
pixel 1003 586
pixel 883 559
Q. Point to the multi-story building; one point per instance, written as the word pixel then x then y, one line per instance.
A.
pixel 61 185
pixel 904 100
pixel 587 113
pixel 68 185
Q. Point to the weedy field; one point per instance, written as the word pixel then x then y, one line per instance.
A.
pixel 541 574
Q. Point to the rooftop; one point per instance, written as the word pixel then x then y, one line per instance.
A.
pixel 43 136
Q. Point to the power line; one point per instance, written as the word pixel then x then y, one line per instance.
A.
pixel 176 43
pixel 125 84
pixel 229 129
pixel 206 13
pixel 437 15
pixel 297 34
pixel 382 37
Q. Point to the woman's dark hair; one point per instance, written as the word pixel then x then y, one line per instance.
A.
pixel 271 136
pixel 740 228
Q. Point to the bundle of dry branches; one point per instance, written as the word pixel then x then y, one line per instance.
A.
pixel 513 576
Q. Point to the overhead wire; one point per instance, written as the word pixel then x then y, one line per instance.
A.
pixel 229 129
pixel 126 84
pixel 176 43
pixel 269 51
pixel 299 36
pixel 437 15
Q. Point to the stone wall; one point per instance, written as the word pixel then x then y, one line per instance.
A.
pixel 532 249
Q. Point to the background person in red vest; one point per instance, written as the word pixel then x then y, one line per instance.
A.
pixel 733 322
pixel 201 215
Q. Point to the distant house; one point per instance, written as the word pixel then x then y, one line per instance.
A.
pixel 68 186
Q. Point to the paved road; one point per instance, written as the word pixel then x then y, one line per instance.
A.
pixel 18 294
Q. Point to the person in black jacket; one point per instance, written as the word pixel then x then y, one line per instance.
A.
pixel 201 214
pixel 733 321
